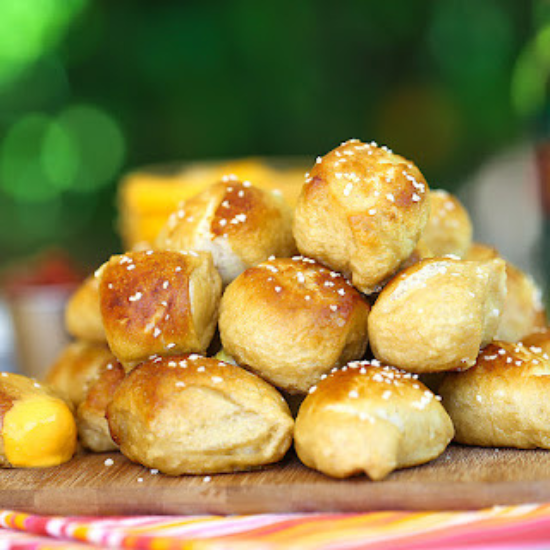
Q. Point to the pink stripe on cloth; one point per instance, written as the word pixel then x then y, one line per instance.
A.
pixel 504 528
pixel 14 540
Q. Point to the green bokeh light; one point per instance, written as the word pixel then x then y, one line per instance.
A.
pixel 532 75
pixel 99 142
pixel 29 29
pixel 22 174
pixel 81 150
pixel 193 80
pixel 60 156
pixel 542 45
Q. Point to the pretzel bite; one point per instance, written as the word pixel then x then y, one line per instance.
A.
pixel 82 314
pixel 195 415
pixel 370 418
pixel 523 311
pixel 435 315
pixel 76 368
pixel 37 429
pixel 503 400
pixel 361 212
pixel 239 224
pixel 292 320
pixel 480 251
pixel 449 228
pixel 538 342
pixel 93 430
pixel 161 302
pixel 448 231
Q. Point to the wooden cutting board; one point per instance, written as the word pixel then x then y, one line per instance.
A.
pixel 462 478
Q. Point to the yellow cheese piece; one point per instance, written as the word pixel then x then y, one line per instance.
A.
pixel 147 197
pixel 39 432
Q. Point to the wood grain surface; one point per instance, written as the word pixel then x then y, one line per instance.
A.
pixel 462 478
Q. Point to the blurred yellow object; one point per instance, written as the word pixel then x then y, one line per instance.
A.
pixel 39 432
pixel 148 196
pixel 37 427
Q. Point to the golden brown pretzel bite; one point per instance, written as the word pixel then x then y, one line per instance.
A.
pixel 93 429
pixel 437 314
pixel 370 418
pixel 503 400
pixel 158 302
pixel 82 314
pixel 449 228
pixel 523 311
pixel 292 320
pixel 195 415
pixel 239 224
pixel 361 212
pixel 76 368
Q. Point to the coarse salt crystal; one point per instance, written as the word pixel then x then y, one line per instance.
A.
pixel 135 297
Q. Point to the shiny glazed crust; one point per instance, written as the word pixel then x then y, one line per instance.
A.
pixel 437 314
pixel 292 320
pixel 369 418
pixel 195 415
pixel 361 212
pixel 159 302
pixel 503 400
pixel 239 224
pixel 539 341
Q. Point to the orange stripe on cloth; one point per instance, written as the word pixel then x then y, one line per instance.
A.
pixel 513 526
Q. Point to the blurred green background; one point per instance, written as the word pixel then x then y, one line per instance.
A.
pixel 90 89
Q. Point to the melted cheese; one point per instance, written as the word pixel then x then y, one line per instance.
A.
pixel 39 432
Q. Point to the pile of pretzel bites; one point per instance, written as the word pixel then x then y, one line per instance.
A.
pixel 368 309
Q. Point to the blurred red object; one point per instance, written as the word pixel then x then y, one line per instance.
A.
pixel 50 268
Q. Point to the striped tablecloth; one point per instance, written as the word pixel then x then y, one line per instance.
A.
pixel 507 528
